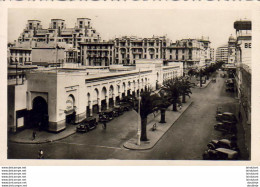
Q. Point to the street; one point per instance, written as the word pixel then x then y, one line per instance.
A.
pixel 187 139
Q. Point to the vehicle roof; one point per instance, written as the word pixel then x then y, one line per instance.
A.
pixel 228 113
pixel 227 151
pixel 225 141
pixel 90 118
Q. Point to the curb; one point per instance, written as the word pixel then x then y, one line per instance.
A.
pixel 206 85
pixel 41 142
pixel 162 134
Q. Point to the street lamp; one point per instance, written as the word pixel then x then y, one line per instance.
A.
pixel 139 120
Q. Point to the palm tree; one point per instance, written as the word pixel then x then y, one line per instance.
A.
pixel 172 88
pixel 147 106
pixel 185 89
pixel 162 103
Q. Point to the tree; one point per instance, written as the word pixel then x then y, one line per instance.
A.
pixel 185 89
pixel 162 103
pixel 147 106
pixel 172 88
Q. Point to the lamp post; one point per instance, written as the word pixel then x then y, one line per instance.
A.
pixel 139 120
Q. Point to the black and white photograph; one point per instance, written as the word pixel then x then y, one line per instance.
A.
pixel 129 84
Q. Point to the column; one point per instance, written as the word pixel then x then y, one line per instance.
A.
pixel 114 100
pixel 99 105
pixel 90 108
pixel 119 95
pixel 107 102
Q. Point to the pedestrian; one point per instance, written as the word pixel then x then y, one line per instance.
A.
pixel 40 155
pixel 104 125
pixel 180 107
pixel 34 135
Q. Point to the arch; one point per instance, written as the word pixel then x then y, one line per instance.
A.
pixel 134 85
pixel 103 93
pixel 118 89
pixel 129 85
pixel 124 87
pixel 70 102
pixel 111 91
pixel 40 116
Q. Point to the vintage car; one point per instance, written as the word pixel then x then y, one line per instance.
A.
pixel 226 117
pixel 223 143
pixel 87 125
pixel 226 127
pixel 230 89
pixel 118 110
pixel 229 81
pixel 126 106
pixel 220 154
pixel 106 115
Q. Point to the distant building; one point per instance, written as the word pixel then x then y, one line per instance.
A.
pixel 97 53
pixel 130 49
pixel 57 33
pixel 222 54
pixel 231 50
pixel 20 56
pixel 193 53
pixel 212 54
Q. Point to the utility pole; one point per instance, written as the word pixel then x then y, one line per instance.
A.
pixel 139 117
pixel 56 58
pixel 16 73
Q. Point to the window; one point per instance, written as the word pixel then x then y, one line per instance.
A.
pixel 30 25
pixel 81 24
pixel 54 25
pixel 157 56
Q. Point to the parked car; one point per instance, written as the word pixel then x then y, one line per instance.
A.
pixel 223 143
pixel 226 117
pixel 226 127
pixel 87 125
pixel 119 110
pixel 220 154
pixel 106 115
pixel 126 106
pixel 230 89
pixel 229 81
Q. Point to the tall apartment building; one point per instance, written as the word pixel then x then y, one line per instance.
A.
pixel 97 53
pixel 212 54
pixel 130 49
pixel 222 54
pixel 34 35
pixel 206 45
pixel 189 51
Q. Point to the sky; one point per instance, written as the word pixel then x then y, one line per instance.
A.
pixel 176 24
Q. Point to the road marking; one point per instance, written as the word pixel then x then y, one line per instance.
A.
pixel 90 145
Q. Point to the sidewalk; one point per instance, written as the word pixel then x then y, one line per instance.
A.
pixel 204 85
pixel 25 136
pixel 162 128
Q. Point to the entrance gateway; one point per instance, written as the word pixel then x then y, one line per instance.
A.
pixel 70 109
pixel 39 117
